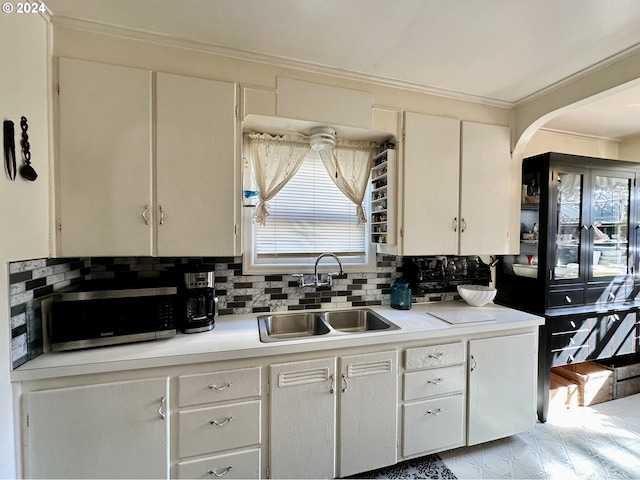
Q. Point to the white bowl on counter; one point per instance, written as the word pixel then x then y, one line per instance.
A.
pixel 477 295
pixel 522 270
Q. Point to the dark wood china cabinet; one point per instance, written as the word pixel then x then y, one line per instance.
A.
pixel 578 263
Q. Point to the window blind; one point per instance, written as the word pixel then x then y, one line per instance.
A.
pixel 310 216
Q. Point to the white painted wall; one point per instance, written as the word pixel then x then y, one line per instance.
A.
pixel 24 224
pixel 549 141
pixel 629 149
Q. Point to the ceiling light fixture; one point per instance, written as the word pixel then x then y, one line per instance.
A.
pixel 322 138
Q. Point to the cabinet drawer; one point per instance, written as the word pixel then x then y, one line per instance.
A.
pixel 433 425
pixel 245 464
pixel 566 298
pixel 209 430
pixel 569 324
pixel 434 356
pixel 218 386
pixel 569 355
pixel 432 382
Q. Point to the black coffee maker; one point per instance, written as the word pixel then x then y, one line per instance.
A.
pixel 200 302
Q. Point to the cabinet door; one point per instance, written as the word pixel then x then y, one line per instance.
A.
pixel 114 430
pixel 303 419
pixel 368 436
pixel 195 155
pixel 610 203
pixel 104 159
pixel 431 176
pixel 502 386
pixel 484 187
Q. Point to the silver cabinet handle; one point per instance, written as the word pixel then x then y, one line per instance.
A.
pixel 455 224
pixel 161 414
pixel 220 388
pixel 435 412
pixel 567 298
pixel 463 227
pixel 161 215
pixel 222 423
pixel 332 389
pixel 437 356
pixel 345 385
pixel 436 381
pixel 475 364
pixel 221 474
pixel 144 214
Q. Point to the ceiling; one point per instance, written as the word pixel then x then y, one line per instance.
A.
pixel 500 52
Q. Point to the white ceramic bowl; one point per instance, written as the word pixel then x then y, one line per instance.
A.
pixel 476 295
pixel 522 270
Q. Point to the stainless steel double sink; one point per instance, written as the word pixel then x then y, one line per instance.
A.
pixel 279 327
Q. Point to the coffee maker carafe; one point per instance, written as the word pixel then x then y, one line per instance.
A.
pixel 200 302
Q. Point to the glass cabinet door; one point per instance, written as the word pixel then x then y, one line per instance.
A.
pixel 569 225
pixel 609 239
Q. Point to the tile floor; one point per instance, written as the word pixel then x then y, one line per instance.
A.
pixel 597 442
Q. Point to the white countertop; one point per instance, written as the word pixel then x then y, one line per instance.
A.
pixel 236 337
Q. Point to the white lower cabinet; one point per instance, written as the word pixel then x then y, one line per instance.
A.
pixel 110 430
pixel 433 412
pixel 220 419
pixel 307 435
pixel 502 386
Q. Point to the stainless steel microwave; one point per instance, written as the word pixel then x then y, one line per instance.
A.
pixel 92 318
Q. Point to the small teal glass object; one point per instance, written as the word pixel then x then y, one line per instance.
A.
pixel 401 295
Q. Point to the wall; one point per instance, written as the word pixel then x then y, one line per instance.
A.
pixel 629 148
pixel 550 141
pixel 24 230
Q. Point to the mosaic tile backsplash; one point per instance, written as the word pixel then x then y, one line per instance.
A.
pixel 34 280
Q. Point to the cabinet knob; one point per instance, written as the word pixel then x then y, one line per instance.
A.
pixel 567 299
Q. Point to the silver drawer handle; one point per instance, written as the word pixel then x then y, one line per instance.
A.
pixel 221 387
pixel 567 298
pixel 437 356
pixel 144 214
pixel 161 414
pixel 436 381
pixel 220 424
pixel 221 474
pixel 435 412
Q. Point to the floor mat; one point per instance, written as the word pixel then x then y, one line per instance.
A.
pixel 430 466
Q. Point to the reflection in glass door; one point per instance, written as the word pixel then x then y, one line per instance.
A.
pixel 610 225
pixel 569 226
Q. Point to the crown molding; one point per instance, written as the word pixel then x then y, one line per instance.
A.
pixel 587 136
pixel 580 74
pixel 151 37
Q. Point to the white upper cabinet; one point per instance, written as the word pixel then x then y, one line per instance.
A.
pixel 431 176
pixel 484 189
pixel 118 192
pixel 455 188
pixel 196 168
pixel 104 159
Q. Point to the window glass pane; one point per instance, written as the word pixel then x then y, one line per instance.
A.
pixel 610 223
pixel 569 224
pixel 310 216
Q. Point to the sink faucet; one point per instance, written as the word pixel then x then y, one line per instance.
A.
pixel 316 282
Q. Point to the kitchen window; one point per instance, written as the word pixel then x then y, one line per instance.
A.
pixel 307 217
